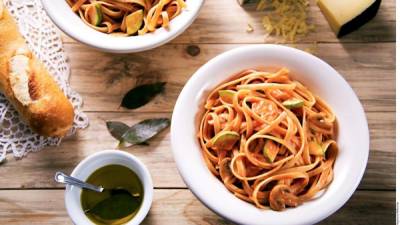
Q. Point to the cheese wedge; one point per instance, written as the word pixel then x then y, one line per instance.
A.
pixel 345 16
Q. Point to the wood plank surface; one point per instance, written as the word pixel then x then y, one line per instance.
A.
pixel 365 58
pixel 37 169
pixel 93 72
pixel 180 207
pixel 224 21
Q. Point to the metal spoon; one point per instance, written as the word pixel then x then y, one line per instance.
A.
pixel 65 179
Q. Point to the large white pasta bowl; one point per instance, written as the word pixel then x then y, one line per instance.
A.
pixel 321 79
pixel 65 19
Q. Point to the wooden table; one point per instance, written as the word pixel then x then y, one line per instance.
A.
pixel 366 58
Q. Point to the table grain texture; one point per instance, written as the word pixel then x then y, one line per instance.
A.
pixel 366 59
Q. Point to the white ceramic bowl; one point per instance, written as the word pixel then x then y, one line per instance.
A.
pixel 323 80
pixel 96 161
pixel 62 15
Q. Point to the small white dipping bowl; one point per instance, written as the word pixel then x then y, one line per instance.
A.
pixel 322 80
pixel 71 24
pixel 89 165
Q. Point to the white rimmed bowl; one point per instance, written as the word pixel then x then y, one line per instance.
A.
pixel 321 79
pixel 63 17
pixel 93 162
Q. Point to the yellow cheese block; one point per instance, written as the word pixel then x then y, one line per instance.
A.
pixel 345 16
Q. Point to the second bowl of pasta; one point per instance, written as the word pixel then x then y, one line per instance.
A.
pixel 123 26
pixel 267 134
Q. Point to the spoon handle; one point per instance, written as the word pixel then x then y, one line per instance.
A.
pixel 65 179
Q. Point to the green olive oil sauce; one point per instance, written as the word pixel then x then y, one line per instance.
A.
pixel 112 206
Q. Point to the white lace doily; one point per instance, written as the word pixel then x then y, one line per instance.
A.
pixel 44 40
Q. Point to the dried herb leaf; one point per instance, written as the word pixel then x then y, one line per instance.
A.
pixel 117 129
pixel 143 131
pixel 115 207
pixel 141 95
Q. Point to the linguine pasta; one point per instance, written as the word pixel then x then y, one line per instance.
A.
pixel 127 17
pixel 269 139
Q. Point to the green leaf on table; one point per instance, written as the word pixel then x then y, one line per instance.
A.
pixel 143 131
pixel 117 129
pixel 141 95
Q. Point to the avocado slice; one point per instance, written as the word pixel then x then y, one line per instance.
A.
pixel 134 22
pixel 95 14
pixel 316 149
pixel 270 151
pixel 226 95
pixel 225 140
pixel 293 103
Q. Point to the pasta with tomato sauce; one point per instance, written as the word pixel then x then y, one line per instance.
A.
pixel 269 139
pixel 127 17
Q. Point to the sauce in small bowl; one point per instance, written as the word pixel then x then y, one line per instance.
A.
pixel 121 199
pixel 127 195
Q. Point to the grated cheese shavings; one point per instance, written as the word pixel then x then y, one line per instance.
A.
pixel 286 18
pixel 250 28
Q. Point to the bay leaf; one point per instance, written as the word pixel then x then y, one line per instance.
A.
pixel 141 95
pixel 146 129
pixel 115 207
pixel 117 129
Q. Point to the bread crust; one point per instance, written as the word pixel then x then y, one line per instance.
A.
pixel 50 113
